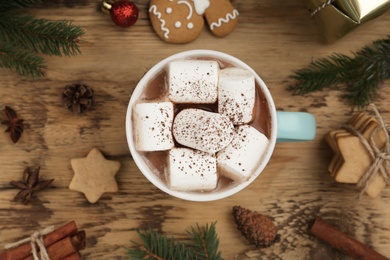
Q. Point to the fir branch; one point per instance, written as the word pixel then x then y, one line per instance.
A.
pixel 24 63
pixel 204 246
pixel 362 73
pixel 320 73
pixel 159 247
pixel 205 242
pixel 22 37
pixel 372 66
pixel 7 5
pixel 39 35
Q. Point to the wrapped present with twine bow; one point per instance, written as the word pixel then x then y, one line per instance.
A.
pixel 336 18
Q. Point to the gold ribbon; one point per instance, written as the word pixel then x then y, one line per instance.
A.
pixel 321 6
pixel 378 156
pixel 35 238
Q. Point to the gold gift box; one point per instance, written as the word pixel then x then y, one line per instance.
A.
pixel 339 17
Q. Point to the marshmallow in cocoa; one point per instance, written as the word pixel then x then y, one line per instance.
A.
pixel 236 95
pixel 242 156
pixel 202 130
pixel 153 126
pixel 191 170
pixel 193 81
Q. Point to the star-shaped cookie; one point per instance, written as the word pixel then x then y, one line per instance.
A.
pixel 94 175
pixel 351 158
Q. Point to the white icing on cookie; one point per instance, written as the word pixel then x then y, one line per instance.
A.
pixel 168 10
pixel 189 16
pixel 229 16
pixel 153 9
pixel 189 8
pixel 201 6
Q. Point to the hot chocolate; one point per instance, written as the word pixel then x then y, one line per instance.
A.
pixel 157 89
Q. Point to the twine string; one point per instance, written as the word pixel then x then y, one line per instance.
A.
pixel 36 239
pixel 386 153
pixel 378 156
pixel 321 6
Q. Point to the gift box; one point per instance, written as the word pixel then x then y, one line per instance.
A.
pixel 336 18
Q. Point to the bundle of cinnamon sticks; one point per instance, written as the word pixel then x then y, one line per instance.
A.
pixel 64 243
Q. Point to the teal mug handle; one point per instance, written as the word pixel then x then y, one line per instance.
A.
pixel 295 126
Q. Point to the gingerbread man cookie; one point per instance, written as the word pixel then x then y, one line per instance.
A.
pixel 221 17
pixel 175 21
pixel 181 21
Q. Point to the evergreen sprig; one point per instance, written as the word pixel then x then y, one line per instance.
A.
pixel 23 62
pixel 23 38
pixel 203 246
pixel 6 6
pixel 205 242
pixel 362 73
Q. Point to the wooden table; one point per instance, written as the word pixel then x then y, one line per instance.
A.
pixel 275 38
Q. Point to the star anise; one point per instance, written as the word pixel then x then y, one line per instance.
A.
pixel 15 125
pixel 29 185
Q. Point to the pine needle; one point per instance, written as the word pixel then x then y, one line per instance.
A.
pixel 23 38
pixel 24 63
pixel 320 73
pixel 203 246
pixel 205 242
pixel 158 247
pixel 39 35
pixel 7 5
pixel 361 74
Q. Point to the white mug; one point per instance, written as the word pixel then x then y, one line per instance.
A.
pixel 285 126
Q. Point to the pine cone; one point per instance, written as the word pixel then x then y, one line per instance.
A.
pixel 78 98
pixel 257 228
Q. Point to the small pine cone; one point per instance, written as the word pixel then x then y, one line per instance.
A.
pixel 78 98
pixel 257 228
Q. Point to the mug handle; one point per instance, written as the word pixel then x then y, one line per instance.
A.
pixel 295 126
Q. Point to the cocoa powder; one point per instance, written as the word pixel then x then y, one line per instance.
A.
pixel 157 89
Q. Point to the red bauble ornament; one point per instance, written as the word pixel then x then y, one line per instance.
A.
pixel 124 13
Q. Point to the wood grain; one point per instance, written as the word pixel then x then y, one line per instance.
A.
pixel 275 38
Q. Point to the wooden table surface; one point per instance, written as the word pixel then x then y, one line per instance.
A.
pixel 275 38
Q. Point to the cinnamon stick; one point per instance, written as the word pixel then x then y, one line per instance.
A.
pixel 74 256
pixel 342 241
pixel 24 250
pixel 65 247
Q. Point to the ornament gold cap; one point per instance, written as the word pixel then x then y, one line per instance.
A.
pixel 107 5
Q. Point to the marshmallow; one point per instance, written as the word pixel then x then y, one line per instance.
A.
pixel 191 170
pixel 242 156
pixel 153 126
pixel 202 130
pixel 193 81
pixel 236 95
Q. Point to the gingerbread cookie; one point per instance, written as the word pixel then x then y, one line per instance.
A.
pixel 351 158
pixel 94 175
pixel 181 21
pixel 175 21
pixel 221 17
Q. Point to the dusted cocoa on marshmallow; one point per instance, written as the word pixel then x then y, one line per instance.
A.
pixel 153 126
pixel 193 81
pixel 202 130
pixel 242 156
pixel 236 95
pixel 191 170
